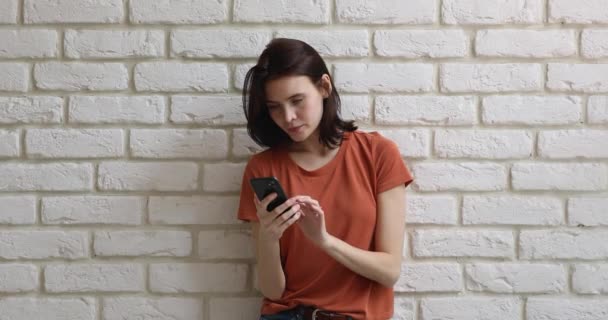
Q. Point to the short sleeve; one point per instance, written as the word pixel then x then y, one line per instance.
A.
pixel 247 210
pixel 391 169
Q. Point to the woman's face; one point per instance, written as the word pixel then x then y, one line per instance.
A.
pixel 295 104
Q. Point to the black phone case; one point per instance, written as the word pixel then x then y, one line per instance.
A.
pixel 267 185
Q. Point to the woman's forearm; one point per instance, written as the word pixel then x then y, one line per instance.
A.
pixel 381 267
pixel 271 278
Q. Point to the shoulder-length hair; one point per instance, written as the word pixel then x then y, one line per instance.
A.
pixel 289 57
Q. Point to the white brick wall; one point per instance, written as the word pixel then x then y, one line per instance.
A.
pixel 123 142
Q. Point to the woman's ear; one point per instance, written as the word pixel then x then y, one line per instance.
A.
pixel 325 86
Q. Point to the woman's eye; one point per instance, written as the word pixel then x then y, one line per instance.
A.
pixel 297 101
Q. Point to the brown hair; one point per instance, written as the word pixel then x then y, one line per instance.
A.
pixel 287 57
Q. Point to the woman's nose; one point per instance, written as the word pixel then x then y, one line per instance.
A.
pixel 290 114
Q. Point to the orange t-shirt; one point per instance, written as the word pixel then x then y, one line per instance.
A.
pixel 347 188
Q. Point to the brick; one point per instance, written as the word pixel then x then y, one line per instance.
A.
pixel 411 143
pixel 208 110
pixel 78 76
pixel 277 11
pixel 73 11
pixel 421 43
pixel 526 43
pixel 18 209
pixel 178 11
pixel 83 44
pixel 425 110
pixel 9 13
pixel 225 244
pixel 36 245
pixel 563 244
pixel 239 74
pixel 74 143
pixel 577 77
pixel 461 308
pixel 117 110
pixel 46 177
pixel 573 144
pixel 211 277
pixel 218 43
pixel 404 308
pixel 430 277
pixel 587 211
pixel 94 278
pixel 80 210
pixel 9 144
pixel 590 279
pixel 193 210
pixel 463 243
pixel 597 110
pixel 512 210
pixel 594 43
pixel 148 176
pixel 220 177
pixel 28 43
pixel 531 110
pixel 48 308
pixel 334 43
pixel 120 308
pixel 242 144
pixel 490 77
pixel 494 12
pixel 457 176
pixel 34 109
pixel 383 77
pixel 177 76
pixel 223 308
pixel 516 278
pixel 15 77
pixel 484 144
pixel 157 243
pixel 432 210
pixel 386 12
pixel 18 278
pixel 584 11
pixel 555 308
pixel 559 176
pixel 356 107
pixel 179 143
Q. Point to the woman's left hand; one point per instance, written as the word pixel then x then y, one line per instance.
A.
pixel 312 221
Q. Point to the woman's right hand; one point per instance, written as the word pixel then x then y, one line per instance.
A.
pixel 273 223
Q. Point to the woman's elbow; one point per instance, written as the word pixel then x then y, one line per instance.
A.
pixel 390 280
pixel 273 293
pixel 393 274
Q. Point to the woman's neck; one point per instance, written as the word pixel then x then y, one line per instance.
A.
pixel 311 145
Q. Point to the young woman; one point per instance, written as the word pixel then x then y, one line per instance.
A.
pixel 337 252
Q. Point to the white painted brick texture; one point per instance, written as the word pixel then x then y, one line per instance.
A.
pixel 123 143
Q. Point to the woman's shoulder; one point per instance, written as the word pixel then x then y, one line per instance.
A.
pixel 261 157
pixel 371 139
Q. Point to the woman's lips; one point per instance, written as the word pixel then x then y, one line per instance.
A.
pixel 295 129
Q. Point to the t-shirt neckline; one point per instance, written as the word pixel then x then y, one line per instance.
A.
pixel 326 168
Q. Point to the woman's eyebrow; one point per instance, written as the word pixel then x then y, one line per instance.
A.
pixel 297 95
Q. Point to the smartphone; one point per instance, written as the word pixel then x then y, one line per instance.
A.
pixel 267 185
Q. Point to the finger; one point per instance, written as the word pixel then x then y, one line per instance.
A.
pixel 290 221
pixel 268 199
pixel 307 199
pixel 285 205
pixel 287 214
